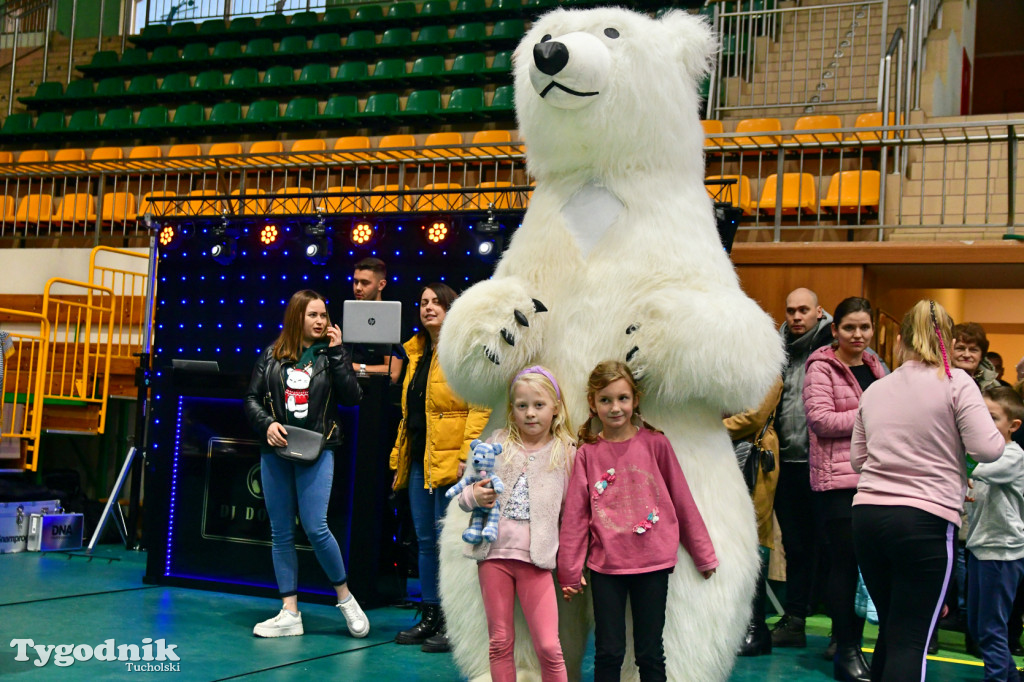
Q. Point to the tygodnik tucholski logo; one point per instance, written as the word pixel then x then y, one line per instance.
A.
pixel 151 655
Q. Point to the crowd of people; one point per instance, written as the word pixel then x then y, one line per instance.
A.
pixel 876 471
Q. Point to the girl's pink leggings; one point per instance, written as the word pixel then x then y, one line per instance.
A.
pixel 501 580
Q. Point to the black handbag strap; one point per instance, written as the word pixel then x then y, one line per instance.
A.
pixel 764 429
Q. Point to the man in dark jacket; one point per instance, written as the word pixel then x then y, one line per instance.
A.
pixel 806 329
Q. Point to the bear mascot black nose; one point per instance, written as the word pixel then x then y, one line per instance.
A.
pixel 550 56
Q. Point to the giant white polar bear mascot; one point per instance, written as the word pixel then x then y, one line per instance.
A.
pixel 618 257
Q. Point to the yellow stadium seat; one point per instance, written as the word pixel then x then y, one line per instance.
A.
pixel 7 206
pixel 225 149
pixel 871 120
pixel 6 157
pixel 447 201
pixel 342 204
pixel 817 123
pixel 199 203
pixel 155 203
pixel 76 208
pixel 297 205
pixel 69 155
pixel 492 143
pixel 308 145
pixel 247 206
pixel 146 151
pixel 388 147
pixel 852 191
pixel 443 146
pixel 185 153
pixel 266 147
pixel 353 143
pixel 107 154
pixel 490 194
pixel 712 126
pixel 33 156
pixel 118 207
pixel 387 203
pixel 34 208
pixel 737 194
pixel 797 194
pixel 758 125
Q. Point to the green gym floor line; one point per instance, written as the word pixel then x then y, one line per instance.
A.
pixel 61 598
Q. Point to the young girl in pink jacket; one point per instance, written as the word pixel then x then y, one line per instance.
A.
pixel 629 503
pixel 836 377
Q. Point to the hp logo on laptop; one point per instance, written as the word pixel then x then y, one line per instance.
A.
pixel 371 321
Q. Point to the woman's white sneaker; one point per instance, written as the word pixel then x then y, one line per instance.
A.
pixel 283 624
pixel 358 623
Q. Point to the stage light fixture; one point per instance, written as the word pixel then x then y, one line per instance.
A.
pixel 166 237
pixel 225 243
pixel 485 248
pixel 727 219
pixel 362 232
pixel 489 226
pixel 437 232
pixel 269 235
pixel 316 243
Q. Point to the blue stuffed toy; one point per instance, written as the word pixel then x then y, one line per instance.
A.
pixel 483 522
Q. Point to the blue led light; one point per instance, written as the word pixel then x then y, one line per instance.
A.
pixel 239 325
pixel 220 325
pixel 222 301
pixel 174 492
pixel 218 350
pixel 238 350
pixel 202 301
pixel 263 277
pixel 181 326
pixel 223 277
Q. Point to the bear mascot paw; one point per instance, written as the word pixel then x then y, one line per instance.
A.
pixel 618 257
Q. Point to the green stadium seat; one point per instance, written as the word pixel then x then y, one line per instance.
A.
pixel 174 84
pixel 432 39
pixel 440 9
pixel 387 73
pixel 153 34
pixel 464 104
pixel 155 118
pixel 336 17
pixel 277 79
pixel 19 123
pixel 212 29
pixel 197 53
pixel 507 8
pixel 301 112
pixel 401 12
pixel 502 104
pixel 501 66
pixel 381 108
pixel 350 74
pixel 162 54
pixel 360 43
pixel 79 90
pixel 117 123
pixel 143 85
pixel 339 110
pixel 83 123
pixel 292 46
pixel 428 70
pixel 243 27
pixel 475 33
pixel 225 118
pixel 272 25
pixel 47 94
pixel 104 60
pixel 534 8
pixel 467 68
pixel 263 115
pixel 111 88
pixel 226 53
pixel 327 44
pixel 190 115
pixel 305 20
pixel 49 124
pixel 244 78
pixel 470 9
pixel 424 105
pixel 506 33
pixel 132 60
pixel 371 16
pixel 260 50
pixel 396 40
pixel 183 29
pixel 314 78
pixel 208 85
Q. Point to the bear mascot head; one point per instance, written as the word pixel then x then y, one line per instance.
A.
pixel 618 257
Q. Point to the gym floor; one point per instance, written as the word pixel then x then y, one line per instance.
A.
pixel 74 598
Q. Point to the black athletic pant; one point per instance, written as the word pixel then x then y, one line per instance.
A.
pixel 906 556
pixel 794 508
pixel 648 594
pixel 841 586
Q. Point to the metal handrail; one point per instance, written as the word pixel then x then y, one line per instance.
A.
pixel 22 14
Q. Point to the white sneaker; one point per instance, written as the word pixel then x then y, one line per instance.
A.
pixel 283 624
pixel 358 623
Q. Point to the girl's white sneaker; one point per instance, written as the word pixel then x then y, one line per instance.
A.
pixel 358 623
pixel 283 624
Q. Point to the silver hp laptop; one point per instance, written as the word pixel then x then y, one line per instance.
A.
pixel 371 322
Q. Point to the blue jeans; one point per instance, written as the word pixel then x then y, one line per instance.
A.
pixel 288 485
pixel 990 591
pixel 427 509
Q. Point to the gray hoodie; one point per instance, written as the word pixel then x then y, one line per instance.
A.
pixel 996 516
pixel 790 419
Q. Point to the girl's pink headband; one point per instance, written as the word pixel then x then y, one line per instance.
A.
pixel 537 369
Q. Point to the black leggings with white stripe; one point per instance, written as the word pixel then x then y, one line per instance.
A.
pixel 905 556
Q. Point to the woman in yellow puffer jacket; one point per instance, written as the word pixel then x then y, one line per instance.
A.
pixel 430 454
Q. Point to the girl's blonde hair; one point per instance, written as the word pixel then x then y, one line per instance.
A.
pixel 927 330
pixel 561 430
pixel 604 374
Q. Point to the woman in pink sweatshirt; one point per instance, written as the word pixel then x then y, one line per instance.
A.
pixel 912 432
pixel 836 377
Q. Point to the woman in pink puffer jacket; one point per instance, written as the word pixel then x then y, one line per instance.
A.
pixel 836 377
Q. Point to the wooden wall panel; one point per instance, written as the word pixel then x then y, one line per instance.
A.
pixel 770 284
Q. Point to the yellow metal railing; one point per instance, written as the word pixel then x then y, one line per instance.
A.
pixel 21 388
pixel 129 289
pixel 81 319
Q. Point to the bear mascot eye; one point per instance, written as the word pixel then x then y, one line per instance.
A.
pixel 611 33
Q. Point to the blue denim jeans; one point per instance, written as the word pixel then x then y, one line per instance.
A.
pixel 293 486
pixel 427 511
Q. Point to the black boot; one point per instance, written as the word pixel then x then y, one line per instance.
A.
pixel 830 650
pixel 789 632
pixel 758 640
pixel 438 643
pixel 849 665
pixel 423 630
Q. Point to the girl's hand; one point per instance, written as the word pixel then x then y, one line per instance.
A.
pixel 708 573
pixel 569 592
pixel 484 494
pixel 334 334
pixel 276 435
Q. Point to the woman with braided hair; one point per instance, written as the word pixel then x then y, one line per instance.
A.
pixel 911 435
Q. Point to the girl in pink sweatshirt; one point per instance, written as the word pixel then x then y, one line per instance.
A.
pixel 537 454
pixel 630 505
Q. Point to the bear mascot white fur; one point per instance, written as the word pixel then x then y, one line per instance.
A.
pixel 618 257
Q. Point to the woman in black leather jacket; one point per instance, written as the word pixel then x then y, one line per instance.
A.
pixel 298 381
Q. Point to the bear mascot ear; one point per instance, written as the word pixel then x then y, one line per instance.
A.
pixel 695 44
